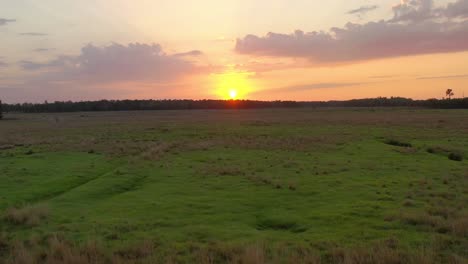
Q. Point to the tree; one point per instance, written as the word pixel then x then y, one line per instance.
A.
pixel 449 93
pixel 1 112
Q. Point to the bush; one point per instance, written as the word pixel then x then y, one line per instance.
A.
pixel 397 143
pixel 455 156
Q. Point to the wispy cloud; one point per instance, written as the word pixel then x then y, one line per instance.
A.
pixel 361 11
pixel 5 21
pixel 443 77
pixel 192 53
pixel 42 50
pixel 383 76
pixel 33 34
pixel 305 87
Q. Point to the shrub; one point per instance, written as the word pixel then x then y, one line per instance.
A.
pixel 455 156
pixel 431 150
pixel 397 143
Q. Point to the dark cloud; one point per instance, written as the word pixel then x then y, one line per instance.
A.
pixel 113 63
pixel 33 34
pixel 416 28
pixel 362 10
pixel 5 21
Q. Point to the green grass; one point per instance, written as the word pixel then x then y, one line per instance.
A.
pixel 305 178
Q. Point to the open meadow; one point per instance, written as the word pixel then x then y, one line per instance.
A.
pixel 325 185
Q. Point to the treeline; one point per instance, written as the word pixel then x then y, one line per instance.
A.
pixel 128 105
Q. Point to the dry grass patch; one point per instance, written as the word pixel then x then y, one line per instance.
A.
pixel 30 215
pixel 157 150
pixel 140 251
pixel 382 253
pixel 459 226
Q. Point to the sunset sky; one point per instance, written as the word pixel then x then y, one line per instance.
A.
pixel 247 49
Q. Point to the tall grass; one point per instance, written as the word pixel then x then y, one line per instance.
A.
pixel 58 251
pixel 30 215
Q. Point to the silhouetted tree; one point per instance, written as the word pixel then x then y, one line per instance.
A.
pixel 449 93
pixel 1 112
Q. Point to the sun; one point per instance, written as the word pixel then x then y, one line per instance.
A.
pixel 233 94
pixel 233 85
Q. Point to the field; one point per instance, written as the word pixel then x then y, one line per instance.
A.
pixel 238 186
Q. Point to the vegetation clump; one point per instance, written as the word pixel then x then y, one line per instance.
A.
pixel 451 154
pixel 30 215
pixel 394 142
pixel 455 156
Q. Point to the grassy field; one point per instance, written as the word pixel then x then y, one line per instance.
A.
pixel 249 186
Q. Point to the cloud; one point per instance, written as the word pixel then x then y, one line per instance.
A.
pixel 5 21
pixel 111 71
pixel 3 64
pixel 318 86
pixel 42 50
pixel 457 9
pixel 305 87
pixel 33 34
pixel 416 28
pixel 413 10
pixel 193 53
pixel 32 66
pixel 113 63
pixel 362 10
pixel 383 76
pixel 443 77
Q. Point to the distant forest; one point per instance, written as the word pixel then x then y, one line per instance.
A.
pixel 127 105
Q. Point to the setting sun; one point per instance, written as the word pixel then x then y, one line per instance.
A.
pixel 233 94
pixel 233 85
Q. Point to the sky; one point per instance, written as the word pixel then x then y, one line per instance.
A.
pixel 244 49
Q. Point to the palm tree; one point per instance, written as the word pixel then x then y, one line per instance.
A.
pixel 449 93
